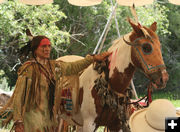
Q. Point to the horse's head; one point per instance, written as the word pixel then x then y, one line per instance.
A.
pixel 146 53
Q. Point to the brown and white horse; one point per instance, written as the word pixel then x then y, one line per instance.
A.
pixel 139 49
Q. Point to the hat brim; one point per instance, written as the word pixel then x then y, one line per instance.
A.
pixel 178 113
pixel 36 2
pixel 84 2
pixel 176 2
pixel 1 1
pixel 136 3
pixel 138 122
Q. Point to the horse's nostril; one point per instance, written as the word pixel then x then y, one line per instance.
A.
pixel 161 80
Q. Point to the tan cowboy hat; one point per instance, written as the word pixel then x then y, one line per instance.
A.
pixel 135 2
pixel 152 119
pixel 176 2
pixel 84 2
pixel 178 112
pixel 1 1
pixel 36 2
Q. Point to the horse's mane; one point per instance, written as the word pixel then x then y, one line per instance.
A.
pixel 119 42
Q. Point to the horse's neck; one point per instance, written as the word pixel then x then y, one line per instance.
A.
pixel 121 56
pixel 121 69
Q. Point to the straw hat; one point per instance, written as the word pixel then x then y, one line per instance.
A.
pixel 152 119
pixel 178 112
pixel 135 2
pixel 176 2
pixel 36 2
pixel 1 1
pixel 84 2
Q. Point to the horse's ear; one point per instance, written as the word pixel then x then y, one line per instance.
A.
pixel 136 27
pixel 29 34
pixel 153 27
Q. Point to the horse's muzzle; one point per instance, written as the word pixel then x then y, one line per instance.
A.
pixel 159 78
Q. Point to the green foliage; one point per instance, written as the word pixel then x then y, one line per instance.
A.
pixel 173 96
pixel 171 48
pixel 174 17
pixel 15 18
pixel 87 23
pixel 156 12
pixel 41 20
pixel 84 24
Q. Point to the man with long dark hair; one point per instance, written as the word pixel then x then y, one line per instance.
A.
pixel 33 98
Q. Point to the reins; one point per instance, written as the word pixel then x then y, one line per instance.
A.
pixel 138 100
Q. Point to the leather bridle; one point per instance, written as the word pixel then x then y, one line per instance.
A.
pixel 150 69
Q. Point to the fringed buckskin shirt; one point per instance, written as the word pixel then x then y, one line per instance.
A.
pixel 29 102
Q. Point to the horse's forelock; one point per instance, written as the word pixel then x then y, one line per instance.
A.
pixel 146 33
pixel 151 33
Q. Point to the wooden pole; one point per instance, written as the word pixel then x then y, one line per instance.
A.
pixel 104 31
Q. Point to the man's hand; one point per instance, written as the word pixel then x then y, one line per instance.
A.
pixel 102 56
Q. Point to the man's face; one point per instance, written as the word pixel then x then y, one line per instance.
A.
pixel 43 51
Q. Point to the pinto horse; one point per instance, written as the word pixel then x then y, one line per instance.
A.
pixel 103 95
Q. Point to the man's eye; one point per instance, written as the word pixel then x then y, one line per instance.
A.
pixel 44 46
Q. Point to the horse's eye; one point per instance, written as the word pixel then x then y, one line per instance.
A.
pixel 147 48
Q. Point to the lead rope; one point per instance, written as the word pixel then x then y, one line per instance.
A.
pixel 149 94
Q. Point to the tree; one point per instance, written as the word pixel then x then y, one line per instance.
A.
pixel 87 23
pixel 172 48
pixel 15 18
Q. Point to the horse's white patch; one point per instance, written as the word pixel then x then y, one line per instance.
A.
pixel 77 116
pixel 121 56
pixel 88 107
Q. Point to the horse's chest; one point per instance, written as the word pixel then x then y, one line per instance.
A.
pixel 119 81
pixel 106 116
